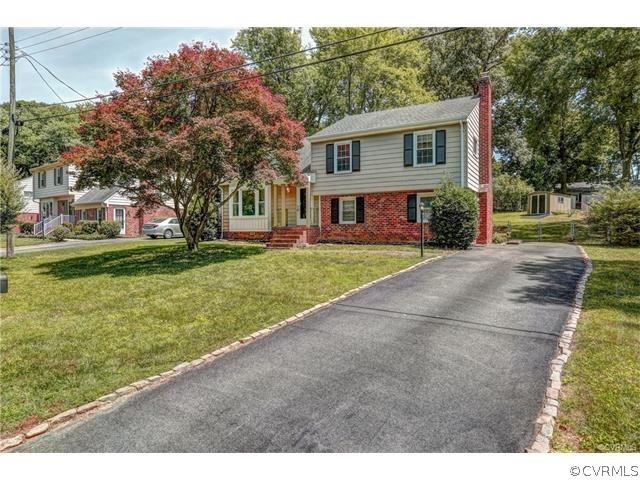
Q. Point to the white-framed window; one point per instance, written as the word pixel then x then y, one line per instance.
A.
pixel 58 176
pixel 42 179
pixel 248 203
pixel 347 210
pixel 100 214
pixel 83 214
pixel 342 157
pixel 424 149
pixel 425 200
pixel 561 200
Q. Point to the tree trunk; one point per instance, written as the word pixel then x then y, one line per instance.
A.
pixel 626 168
pixel 10 244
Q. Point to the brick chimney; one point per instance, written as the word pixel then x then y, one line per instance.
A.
pixel 485 194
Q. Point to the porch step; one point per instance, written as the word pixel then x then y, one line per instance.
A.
pixel 287 237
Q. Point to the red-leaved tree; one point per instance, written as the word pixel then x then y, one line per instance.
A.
pixel 163 138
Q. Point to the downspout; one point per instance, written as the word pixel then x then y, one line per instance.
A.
pixel 463 154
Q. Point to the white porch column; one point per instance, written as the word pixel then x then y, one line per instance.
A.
pixel 274 206
pixel 309 200
pixel 283 212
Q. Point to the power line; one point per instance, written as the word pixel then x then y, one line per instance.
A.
pixel 53 74
pixel 55 38
pixel 39 34
pixel 43 79
pixel 238 67
pixel 71 43
pixel 273 72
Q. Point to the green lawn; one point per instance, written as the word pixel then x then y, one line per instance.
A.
pixel 555 228
pixel 22 241
pixel 600 403
pixel 78 323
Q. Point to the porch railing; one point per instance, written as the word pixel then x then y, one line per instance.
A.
pixel 44 227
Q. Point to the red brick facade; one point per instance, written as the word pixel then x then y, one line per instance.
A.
pixel 258 236
pixel 134 216
pixel 28 217
pixel 485 195
pixel 385 220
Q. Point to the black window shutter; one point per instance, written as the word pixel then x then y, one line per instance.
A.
pixel 329 158
pixel 408 150
pixel 355 156
pixel 359 209
pixel 335 210
pixel 412 201
pixel 441 146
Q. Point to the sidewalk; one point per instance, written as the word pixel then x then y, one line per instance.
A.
pixel 69 244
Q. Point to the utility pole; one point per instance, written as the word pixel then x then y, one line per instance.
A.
pixel 12 97
pixel 12 123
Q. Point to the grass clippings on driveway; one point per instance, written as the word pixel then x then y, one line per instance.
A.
pixel 600 399
pixel 79 323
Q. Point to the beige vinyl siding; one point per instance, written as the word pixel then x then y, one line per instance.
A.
pixel 381 166
pixel 472 167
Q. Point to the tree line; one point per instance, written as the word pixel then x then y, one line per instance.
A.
pixel 566 101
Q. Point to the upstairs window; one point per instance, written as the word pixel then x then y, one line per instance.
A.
pixel 42 179
pixel 424 148
pixel 58 176
pixel 343 157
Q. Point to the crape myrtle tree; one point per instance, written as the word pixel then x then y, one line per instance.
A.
pixel 188 123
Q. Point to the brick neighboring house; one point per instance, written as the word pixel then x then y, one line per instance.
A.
pixel 366 176
pixel 54 187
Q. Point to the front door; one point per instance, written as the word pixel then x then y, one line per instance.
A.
pixel 119 216
pixel 302 206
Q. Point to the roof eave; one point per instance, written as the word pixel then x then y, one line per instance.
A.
pixel 378 131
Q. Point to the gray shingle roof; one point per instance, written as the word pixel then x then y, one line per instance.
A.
pixel 428 113
pixel 96 195
pixel 305 156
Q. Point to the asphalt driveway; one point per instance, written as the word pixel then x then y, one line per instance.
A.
pixel 449 357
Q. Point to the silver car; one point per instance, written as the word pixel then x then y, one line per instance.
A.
pixel 163 227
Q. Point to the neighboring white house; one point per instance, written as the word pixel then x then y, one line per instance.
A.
pixel 53 187
pixel 31 211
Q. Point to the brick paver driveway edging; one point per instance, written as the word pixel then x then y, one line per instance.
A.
pixel 547 419
pixel 107 401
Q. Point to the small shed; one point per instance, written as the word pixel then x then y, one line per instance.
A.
pixel 543 203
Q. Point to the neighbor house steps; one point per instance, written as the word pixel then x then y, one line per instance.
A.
pixel 288 237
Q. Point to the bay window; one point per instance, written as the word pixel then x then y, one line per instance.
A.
pixel 248 203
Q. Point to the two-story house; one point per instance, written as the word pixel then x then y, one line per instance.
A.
pixel 367 175
pixel 54 187
pixel 31 209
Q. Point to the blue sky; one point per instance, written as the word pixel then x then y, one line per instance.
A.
pixel 88 65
